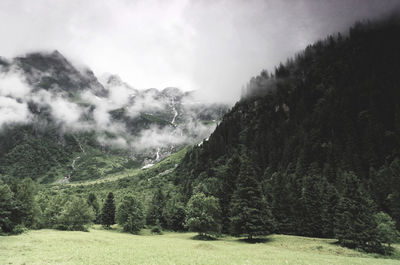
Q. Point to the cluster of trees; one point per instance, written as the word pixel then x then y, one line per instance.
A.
pixel 321 135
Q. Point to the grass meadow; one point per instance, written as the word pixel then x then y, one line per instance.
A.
pixel 113 247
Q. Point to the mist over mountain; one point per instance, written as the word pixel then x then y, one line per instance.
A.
pixel 44 92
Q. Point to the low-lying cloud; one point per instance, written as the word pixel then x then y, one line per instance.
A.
pixel 89 112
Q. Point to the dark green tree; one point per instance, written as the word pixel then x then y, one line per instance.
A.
pixel 386 227
pixel 108 211
pixel 203 215
pixel 228 181
pixel 26 204
pixel 94 204
pixel 311 195
pixel 355 225
pixel 174 214
pixel 7 206
pixel 130 214
pixel 250 214
pixel 330 200
pixel 156 207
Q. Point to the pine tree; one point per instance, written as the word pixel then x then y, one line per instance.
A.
pixel 282 202
pixel 250 211
pixel 312 205
pixel 7 206
pixel 155 211
pixel 355 225
pixel 330 200
pixel 108 211
pixel 94 204
pixel 228 181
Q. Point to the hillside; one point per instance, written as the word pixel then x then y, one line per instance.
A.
pixel 324 125
pixel 59 122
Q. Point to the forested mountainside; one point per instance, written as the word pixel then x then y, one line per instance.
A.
pixel 319 138
pixel 60 122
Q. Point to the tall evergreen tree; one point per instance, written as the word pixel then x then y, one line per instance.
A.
pixel 108 211
pixel 7 206
pixel 312 205
pixel 250 214
pixel 330 200
pixel 174 213
pixel 156 207
pixel 355 225
pixel 228 181
pixel 94 204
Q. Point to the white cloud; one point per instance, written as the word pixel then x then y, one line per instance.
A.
pixel 12 85
pixel 12 111
pixel 212 46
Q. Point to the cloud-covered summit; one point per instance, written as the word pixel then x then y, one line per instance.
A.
pixel 46 88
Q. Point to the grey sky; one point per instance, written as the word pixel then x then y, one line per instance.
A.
pixel 209 45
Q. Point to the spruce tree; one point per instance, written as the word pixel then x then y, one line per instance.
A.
pixel 311 194
pixel 108 211
pixel 94 204
pixel 228 181
pixel 7 206
pixel 250 214
pixel 355 225
pixel 330 200
pixel 155 211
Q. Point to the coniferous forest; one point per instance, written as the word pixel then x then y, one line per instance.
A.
pixel 316 143
pixel 311 149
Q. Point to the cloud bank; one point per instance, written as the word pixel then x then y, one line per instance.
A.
pixel 210 46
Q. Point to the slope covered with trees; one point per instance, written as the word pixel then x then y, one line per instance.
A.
pixel 326 119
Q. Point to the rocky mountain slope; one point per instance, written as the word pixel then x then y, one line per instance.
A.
pixel 60 121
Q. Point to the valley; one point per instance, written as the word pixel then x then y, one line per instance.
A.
pixel 303 169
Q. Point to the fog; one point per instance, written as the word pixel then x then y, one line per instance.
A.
pixel 210 46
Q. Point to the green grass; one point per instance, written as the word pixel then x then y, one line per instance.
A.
pixel 112 247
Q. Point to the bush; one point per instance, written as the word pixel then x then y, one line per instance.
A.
pixel 157 228
pixel 19 229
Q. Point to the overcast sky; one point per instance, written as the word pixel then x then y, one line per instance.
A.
pixel 208 45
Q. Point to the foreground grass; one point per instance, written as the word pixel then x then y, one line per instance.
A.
pixel 111 247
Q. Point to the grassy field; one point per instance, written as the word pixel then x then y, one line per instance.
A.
pixel 112 247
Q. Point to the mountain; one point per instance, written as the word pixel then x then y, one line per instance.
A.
pixel 59 121
pixel 328 115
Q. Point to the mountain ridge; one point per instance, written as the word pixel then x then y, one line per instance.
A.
pixel 78 109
